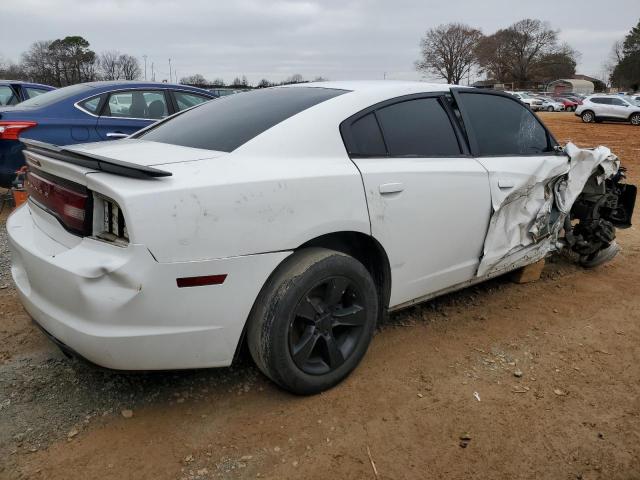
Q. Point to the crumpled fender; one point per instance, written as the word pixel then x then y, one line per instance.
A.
pixel 525 224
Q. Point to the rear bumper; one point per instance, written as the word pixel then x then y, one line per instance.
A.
pixel 121 309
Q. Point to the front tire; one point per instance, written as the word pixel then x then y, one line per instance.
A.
pixel 313 321
pixel 549 109
pixel 635 119
pixel 588 116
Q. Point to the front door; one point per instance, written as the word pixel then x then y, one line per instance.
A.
pixel 518 153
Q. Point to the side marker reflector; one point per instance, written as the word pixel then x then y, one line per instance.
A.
pixel 201 281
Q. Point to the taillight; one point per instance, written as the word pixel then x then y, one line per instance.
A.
pixel 68 202
pixel 11 130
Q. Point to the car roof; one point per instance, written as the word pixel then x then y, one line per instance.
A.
pixel 392 87
pixel 22 82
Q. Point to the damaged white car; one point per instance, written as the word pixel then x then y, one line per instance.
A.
pixel 293 218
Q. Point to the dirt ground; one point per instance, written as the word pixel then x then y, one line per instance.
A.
pixel 437 395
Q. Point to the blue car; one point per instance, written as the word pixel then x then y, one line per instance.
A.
pixel 88 112
pixel 13 92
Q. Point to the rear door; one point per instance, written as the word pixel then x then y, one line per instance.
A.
pixel 126 111
pixel 428 200
pixel 516 150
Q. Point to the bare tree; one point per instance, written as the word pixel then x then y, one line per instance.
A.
pixel 109 65
pixel 195 79
pixel 448 51
pixel 129 66
pixel 217 82
pixel 295 78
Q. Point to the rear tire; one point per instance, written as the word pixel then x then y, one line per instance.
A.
pixel 588 116
pixel 635 119
pixel 313 321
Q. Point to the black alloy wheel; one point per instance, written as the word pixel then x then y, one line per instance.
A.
pixel 327 325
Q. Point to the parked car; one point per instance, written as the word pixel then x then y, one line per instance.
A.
pixel 533 103
pixel 88 112
pixel 617 108
pixel 13 92
pixel 550 105
pixel 293 218
pixel 569 105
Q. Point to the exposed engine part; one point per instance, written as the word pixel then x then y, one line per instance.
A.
pixel 590 230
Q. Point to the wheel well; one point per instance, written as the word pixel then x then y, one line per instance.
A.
pixel 368 251
pixel 363 248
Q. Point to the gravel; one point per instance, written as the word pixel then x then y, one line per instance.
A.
pixel 5 261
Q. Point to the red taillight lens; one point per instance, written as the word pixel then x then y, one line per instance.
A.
pixel 11 130
pixel 66 202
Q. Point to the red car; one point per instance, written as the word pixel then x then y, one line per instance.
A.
pixel 569 105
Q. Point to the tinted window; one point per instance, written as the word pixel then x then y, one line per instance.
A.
pixel 503 126
pixel 418 128
pixel 34 92
pixel 188 100
pixel 54 96
pixel 136 104
pixel 598 100
pixel 366 137
pixel 91 104
pixel 617 101
pixel 7 95
pixel 226 123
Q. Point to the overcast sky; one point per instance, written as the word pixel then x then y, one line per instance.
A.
pixel 338 39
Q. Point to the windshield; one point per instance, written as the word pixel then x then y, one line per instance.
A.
pixel 54 96
pixel 228 122
pixel 631 100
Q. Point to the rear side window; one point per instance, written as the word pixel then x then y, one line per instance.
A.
pixel 418 128
pixel 598 100
pixel 90 105
pixel 503 126
pixel 367 137
pixel 7 96
pixel 34 92
pixel 226 123
pixel 187 100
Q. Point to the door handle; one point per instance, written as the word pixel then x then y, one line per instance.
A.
pixel 117 135
pixel 391 188
pixel 505 183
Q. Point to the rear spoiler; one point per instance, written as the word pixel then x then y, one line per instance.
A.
pixel 90 160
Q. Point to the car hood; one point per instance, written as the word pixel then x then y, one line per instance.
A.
pixel 142 152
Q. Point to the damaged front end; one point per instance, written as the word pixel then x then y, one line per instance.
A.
pixel 577 207
pixel 603 206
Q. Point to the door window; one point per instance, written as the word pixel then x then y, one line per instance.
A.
pixel 503 126
pixel 188 100
pixel 367 138
pixel 419 128
pixel 7 95
pixel 136 104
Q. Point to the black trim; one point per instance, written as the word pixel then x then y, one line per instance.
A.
pixel 90 160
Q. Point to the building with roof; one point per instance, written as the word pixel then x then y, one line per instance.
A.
pixel 571 85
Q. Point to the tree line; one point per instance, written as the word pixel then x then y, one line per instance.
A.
pixel 70 60
pixel 199 80
pixel 525 52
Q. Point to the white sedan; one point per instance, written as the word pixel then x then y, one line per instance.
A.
pixel 293 218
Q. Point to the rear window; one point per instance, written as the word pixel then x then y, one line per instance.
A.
pixel 226 123
pixel 54 96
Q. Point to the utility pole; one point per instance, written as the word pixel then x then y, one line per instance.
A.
pixel 145 67
pixel 153 74
pixel 170 71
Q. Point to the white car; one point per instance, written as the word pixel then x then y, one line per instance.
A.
pixel 550 105
pixel 293 218
pixel 597 108
pixel 533 103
